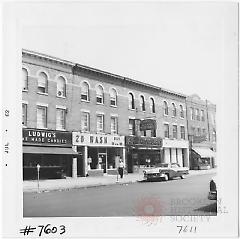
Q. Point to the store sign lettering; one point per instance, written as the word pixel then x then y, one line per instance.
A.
pixel 46 137
pixel 143 141
pixel 97 140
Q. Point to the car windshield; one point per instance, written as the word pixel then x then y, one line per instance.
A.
pixel 175 165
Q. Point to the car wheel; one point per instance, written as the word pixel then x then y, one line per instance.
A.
pixel 166 177
pixel 183 176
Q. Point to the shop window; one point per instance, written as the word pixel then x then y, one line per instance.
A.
pixel 202 116
pixel 166 130
pixel 182 129
pixel 175 131
pixel 100 123
pixel 60 119
pixel 153 133
pixel 152 105
pixel 85 122
pixel 114 125
pixel 142 103
pixel 192 113
pixel 42 83
pixel 198 132
pixel 99 95
pixel 181 111
pixel 24 79
pixel 113 97
pixel 85 92
pixel 174 110
pixel 24 114
pixel 131 127
pixel 165 108
pixel 41 117
pixel 131 103
pixel 61 87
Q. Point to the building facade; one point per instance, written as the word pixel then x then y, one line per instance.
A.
pixel 202 132
pixel 80 121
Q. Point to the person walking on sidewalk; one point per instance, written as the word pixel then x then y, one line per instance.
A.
pixel 120 168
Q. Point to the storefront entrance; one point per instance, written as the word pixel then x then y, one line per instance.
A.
pixel 102 159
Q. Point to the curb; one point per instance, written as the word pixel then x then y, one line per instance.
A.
pixel 34 190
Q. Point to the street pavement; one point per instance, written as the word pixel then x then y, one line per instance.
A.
pixel 175 197
pixel 84 182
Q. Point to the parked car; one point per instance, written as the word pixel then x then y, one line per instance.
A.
pixel 166 171
pixel 212 194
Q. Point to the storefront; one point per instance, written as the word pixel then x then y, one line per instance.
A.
pixel 176 151
pixel 51 149
pixel 143 152
pixel 202 158
pixel 101 153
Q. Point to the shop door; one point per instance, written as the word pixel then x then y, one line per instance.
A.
pixel 103 160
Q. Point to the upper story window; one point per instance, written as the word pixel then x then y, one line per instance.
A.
pixel 41 117
pixel 114 125
pixel 142 103
pixel 193 130
pixel 99 95
pixel 191 113
pixel 131 127
pixel 214 135
pixel 60 119
pixel 85 122
pixel 113 97
pixel 175 131
pixel 174 110
pixel 100 123
pixel 24 114
pixel 181 111
pixel 61 87
pixel 165 108
pixel 24 79
pixel 182 129
pixel 166 130
pixel 197 114
pixel 85 91
pixel 204 132
pixel 42 83
pixel 202 116
pixel 152 105
pixel 131 104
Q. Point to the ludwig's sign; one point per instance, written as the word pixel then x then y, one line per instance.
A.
pixel 97 140
pixel 148 124
pixel 143 141
pixel 35 136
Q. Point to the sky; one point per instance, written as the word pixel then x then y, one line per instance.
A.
pixel 177 46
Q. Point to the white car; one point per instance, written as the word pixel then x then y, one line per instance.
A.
pixel 166 171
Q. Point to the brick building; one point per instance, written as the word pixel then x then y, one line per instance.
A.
pixel 78 120
pixel 201 132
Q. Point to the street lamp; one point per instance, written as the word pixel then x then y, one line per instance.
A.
pixel 38 171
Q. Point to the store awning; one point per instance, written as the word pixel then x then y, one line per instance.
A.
pixel 204 152
pixel 48 150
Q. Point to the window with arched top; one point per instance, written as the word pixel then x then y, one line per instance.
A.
pixel 174 110
pixel 142 103
pixel 24 79
pixel 131 104
pixel 42 82
pixel 165 108
pixel 99 95
pixel 113 97
pixel 61 87
pixel 152 105
pixel 85 91
pixel 181 111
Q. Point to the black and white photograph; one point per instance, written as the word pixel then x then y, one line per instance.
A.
pixel 120 119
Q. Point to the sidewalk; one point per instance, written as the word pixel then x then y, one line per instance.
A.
pixel 86 182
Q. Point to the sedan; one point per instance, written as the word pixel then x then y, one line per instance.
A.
pixel 166 171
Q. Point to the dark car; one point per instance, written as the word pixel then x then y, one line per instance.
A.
pixel 212 194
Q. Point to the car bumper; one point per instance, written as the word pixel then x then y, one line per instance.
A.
pixel 153 176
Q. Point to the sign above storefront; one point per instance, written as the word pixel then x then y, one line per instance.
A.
pixel 97 140
pixel 35 136
pixel 169 143
pixel 143 141
pixel 148 124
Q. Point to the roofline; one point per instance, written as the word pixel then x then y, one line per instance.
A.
pixel 94 70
